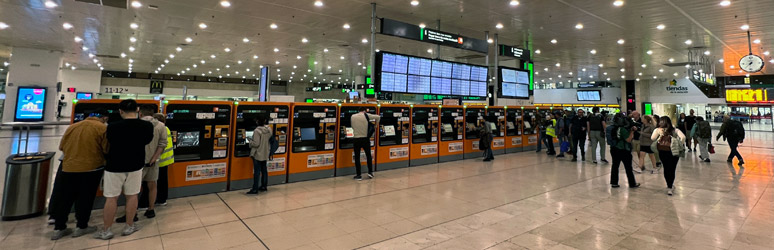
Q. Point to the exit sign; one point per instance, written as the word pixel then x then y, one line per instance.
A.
pixel 70 90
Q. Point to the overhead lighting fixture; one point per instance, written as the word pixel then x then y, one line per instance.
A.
pixel 688 42
pixel 346 26
pixel 725 3
pixel 553 41
pixel 50 4
pixel 276 50
pixel 537 52
pixel 255 56
pixel 671 60
pixel 601 65
pixel 178 49
pixel 593 52
pixel 171 55
pixel 422 25
pixel 579 26
pixel 136 4
pixel 3 26
pixel 490 40
pixel 618 3
pixel 514 3
pixel 131 48
pixel 649 52
pixel 558 64
pixel 227 50
pixel 745 27
pixel 661 70
pixel 621 59
pixel 771 61
pixel 134 26
pixel 766 53
pixel 239 62
pixel 414 3
pixel 212 56
pixel 225 4
pixel 757 41
pixel 621 41
pixel 298 57
pixel 203 62
pixel 341 57
pixel 132 39
pixel 245 40
pixel 430 51
pixel 644 65
pixel 202 25
pixel 188 40
pixel 364 40
pixel 276 62
pixel 273 26
pixel 67 26
pixel 499 26
pixel 76 38
pixel 325 50
pixel 318 3
pixel 661 27
pixel 707 52
pixel 304 40
pixel 721 60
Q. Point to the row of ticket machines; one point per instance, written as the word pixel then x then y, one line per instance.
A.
pixel 212 152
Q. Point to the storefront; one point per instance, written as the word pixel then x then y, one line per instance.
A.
pixel 750 106
pixel 674 97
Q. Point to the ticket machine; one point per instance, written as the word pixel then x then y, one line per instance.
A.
pixel 241 164
pixel 474 120
pixel 83 108
pixel 312 149
pixel 513 129
pixel 424 135
pixel 201 132
pixel 530 137
pixel 345 157
pixel 496 116
pixel 452 132
pixel 392 148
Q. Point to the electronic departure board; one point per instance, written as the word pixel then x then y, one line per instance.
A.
pixel 514 83
pixel 417 75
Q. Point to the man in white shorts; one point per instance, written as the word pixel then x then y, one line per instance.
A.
pixel 125 160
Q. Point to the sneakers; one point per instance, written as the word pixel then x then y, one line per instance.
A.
pixel 81 232
pixel 150 214
pixel 637 170
pixel 670 192
pixel 605 161
pixel 51 220
pixel 122 219
pixel 128 230
pixel 252 192
pixel 104 235
pixel 58 234
pixel 370 176
pixel 357 177
pixel 707 160
pixel 636 185
pixel 595 162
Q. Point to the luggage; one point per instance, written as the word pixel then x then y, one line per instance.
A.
pixel 565 147
pixel 711 149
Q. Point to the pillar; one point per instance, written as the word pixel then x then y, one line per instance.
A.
pixel 35 68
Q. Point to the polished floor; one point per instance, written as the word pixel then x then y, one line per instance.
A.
pixel 519 201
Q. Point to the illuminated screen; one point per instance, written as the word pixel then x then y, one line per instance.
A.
pixel 416 75
pixel 589 95
pixel 308 134
pixel 514 83
pixel 249 134
pixel 187 139
pixel 83 96
pixel 30 104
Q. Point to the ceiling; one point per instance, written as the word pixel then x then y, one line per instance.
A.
pixel 164 25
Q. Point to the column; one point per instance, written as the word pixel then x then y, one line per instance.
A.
pixel 33 68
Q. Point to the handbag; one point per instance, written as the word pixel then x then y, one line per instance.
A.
pixel 664 143
pixel 565 147
pixel 711 149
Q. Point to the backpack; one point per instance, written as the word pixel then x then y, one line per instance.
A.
pixel 735 130
pixel 704 130
pixel 595 122
pixel 664 143
pixel 611 135
pixel 273 146
pixel 371 127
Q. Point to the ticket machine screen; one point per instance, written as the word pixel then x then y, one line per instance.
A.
pixel 452 125
pixel 530 122
pixel 513 119
pixel 496 117
pixel 474 119
pixel 393 126
pixel 188 139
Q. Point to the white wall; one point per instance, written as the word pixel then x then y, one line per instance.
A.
pixel 683 92
pixel 82 81
pixel 569 96
pixel 142 87
pixel 32 67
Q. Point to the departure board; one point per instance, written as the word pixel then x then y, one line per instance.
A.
pixel 514 83
pixel 417 75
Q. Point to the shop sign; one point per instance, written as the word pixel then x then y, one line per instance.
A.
pixel 674 89
pixel 746 95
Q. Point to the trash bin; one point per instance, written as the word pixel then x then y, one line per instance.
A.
pixel 26 184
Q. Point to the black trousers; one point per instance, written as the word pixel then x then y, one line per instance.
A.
pixel 364 144
pixel 260 175
pixel 549 142
pixel 578 142
pixel 74 188
pixel 734 144
pixel 620 155
pixel 162 189
pixel 670 166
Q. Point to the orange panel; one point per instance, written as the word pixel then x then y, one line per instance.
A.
pixel 394 153
pixel 311 161
pixel 241 168
pixel 180 176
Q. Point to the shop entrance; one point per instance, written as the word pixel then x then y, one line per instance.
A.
pixel 754 118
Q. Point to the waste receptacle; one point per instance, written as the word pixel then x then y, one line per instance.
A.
pixel 26 184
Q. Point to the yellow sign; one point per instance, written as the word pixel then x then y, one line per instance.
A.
pixel 746 95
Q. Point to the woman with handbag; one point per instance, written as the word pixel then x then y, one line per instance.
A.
pixel 670 145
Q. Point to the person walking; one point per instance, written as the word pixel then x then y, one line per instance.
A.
pixel 621 149
pixel 703 137
pixel 150 173
pixel 125 161
pixel 550 127
pixel 733 132
pixel 596 132
pixel 648 126
pixel 578 128
pixel 363 130
pixel 670 145
pixel 690 121
pixel 84 146
pixel 486 140
pixel 260 152
pixel 564 131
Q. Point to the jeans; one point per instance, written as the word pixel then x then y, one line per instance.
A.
pixel 620 155
pixel 549 142
pixel 162 189
pixel 734 144
pixel 540 135
pixel 704 147
pixel 669 162
pixel 488 154
pixel 260 171
pixel 75 188
pixel 579 142
pixel 598 138
pixel 364 144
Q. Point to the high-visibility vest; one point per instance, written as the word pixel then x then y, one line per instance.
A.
pixel 168 156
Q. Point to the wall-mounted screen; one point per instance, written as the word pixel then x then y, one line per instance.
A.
pixel 30 104
pixel 589 95
pixel 514 83
pixel 417 75
pixel 84 96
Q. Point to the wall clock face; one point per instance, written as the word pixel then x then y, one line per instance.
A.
pixel 751 63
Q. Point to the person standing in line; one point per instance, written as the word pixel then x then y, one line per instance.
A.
pixel 541 132
pixel 733 132
pixel 578 128
pixel 360 126
pixel 703 137
pixel 153 150
pixel 670 143
pixel 621 150
pixel 259 151
pixel 564 130
pixel 648 126
pixel 550 132
pixel 596 131
pixel 486 135
pixel 690 120
pixel 84 146
pixel 166 159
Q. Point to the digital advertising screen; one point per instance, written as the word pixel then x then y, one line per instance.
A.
pixel 589 95
pixel 30 104
pixel 84 96
pixel 416 75
pixel 514 83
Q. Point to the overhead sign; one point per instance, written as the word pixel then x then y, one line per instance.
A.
pixel 414 32
pixel 747 95
pixel 156 87
pixel 510 51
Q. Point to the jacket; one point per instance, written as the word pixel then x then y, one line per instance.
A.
pixel 647 131
pixel 159 138
pixel 360 124
pixel 168 156
pixel 259 145
pixel 84 145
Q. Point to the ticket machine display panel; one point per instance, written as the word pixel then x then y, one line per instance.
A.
pixel 452 132
pixel 424 134
pixel 312 142
pixel 513 129
pixel 394 133
pixel 496 117
pixel 82 109
pixel 277 116
pixel 530 137
pixel 345 157
pixel 474 122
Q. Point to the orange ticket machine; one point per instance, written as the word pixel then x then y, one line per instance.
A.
pixel 452 132
pixel 241 167
pixel 345 155
pixel 201 134
pixel 513 129
pixel 312 149
pixel 424 135
pixel 531 124
pixel 392 148
pixel 83 108
pixel 474 120
pixel 496 116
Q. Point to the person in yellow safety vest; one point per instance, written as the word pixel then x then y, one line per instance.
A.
pixel 167 158
pixel 550 128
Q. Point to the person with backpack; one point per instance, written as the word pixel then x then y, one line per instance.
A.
pixel 485 141
pixel 363 130
pixel 670 144
pixel 564 130
pixel 703 136
pixel 733 132
pixel 550 132
pixel 260 151
pixel 620 139
pixel 596 132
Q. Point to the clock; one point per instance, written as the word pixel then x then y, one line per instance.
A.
pixel 751 63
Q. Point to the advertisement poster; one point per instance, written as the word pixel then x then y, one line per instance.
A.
pixel 455 147
pixel 532 139
pixel 396 153
pixel 322 160
pixel 429 149
pixel 475 145
pixel 498 143
pixel 516 141
pixel 30 104
pixel 276 165
pixel 205 171
pixel 362 156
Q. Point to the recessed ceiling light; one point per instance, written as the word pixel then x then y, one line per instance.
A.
pixel 745 27
pixel 766 53
pixel 245 40
pixel 675 74
pixel 203 62
pixel 255 56
pixel 3 26
pixel 757 41
pixel 707 52
pixel 422 25
pixel 50 4
pixel 76 38
pixel 364 40
pixel 593 52
pixel 202 25
pixel 178 49
pixel 671 60
pixel 188 40
pixel 623 70
pixel 131 48
pixel 553 41
pixel 621 59
pixel 341 57
pixel 298 57
pixel 661 27
pixel 212 56
pixel 304 40
pixel 601 65
pixel 490 40
pixel 430 51
pixel 346 26
pixel 499 26
pixel 537 52
pixel 558 64
pixel 132 39
pixel 618 3
pixel 621 41
pixel 239 62
pixel 649 52
pixel 771 61
pixel 721 60
pixel 228 66
pixel 276 50
pixel 136 4
pixel 225 4
pixel 123 55
pixel 644 66
pixel 688 42
pixel 725 3
pixel 227 50
pixel 325 50
pixel 414 3
pixel 67 26
pixel 318 3
pixel 273 26
pixel 134 26
pixel 604 73
pixel 579 26
pixel 661 70
pixel 514 3
pixel 276 62
pixel 171 55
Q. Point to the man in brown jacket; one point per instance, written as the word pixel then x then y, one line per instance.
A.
pixel 84 146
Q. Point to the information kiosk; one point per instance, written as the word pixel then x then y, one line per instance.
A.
pixel 200 132
pixel 452 132
pixel 424 135
pixel 83 108
pixel 312 150
pixel 513 129
pixel 530 138
pixel 496 116
pixel 345 157
pixel 474 120
pixel 241 164
pixel 392 150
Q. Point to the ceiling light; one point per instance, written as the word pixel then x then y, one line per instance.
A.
pixel 553 41
pixel 77 38
pixel 67 26
pixel 661 27
pixel 707 52
pixel 72 67
pixel 644 66
pixel 255 56
pixel 757 41
pixel 202 25
pixel 131 60
pixel 675 74
pixel 649 52
pixel 276 62
pixel 188 40
pixel 621 41
pixel 325 50
pixel 84 48
pixel 499 26
pixel 304 40
pixel 178 49
pixel 604 73
pixel 593 52
pixel 273 26
pixel 490 40
pixel 623 70
pixel 661 70
pixel 422 26
pixel 537 51
pixel 687 66
pixel 623 77
pixel 514 3
pixel 3 26
pixel 766 53
pixel 341 57
pixel 318 3
pixel 298 57
pixel 771 61
pixel 414 3
pixel 276 50
pixel 136 4
pixel 131 48
pixel 171 55
pixel 165 61
pixel 579 26
pixel 364 40
pixel 721 60
pixel 132 39
pixel 558 64
pixel 346 26
pixel 228 66
pixel 601 65
pixel 212 56
pixel 745 27
pixel 203 62
pixel 225 4
pixel 134 26
pixel 621 59
pixel 688 42
pixel 239 62
pixel 245 40
pixel 227 50
pixel 618 3
pixel 50 4
pixel 725 3
pixel 671 60
pixel 655 77
pixel 430 51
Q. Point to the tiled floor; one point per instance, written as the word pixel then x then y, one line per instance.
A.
pixel 519 201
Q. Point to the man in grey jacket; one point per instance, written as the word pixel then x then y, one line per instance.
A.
pixel 259 151
pixel 360 128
